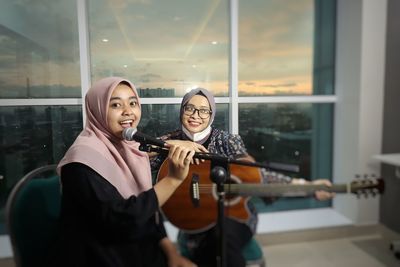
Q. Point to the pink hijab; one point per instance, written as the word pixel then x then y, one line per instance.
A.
pixel 120 162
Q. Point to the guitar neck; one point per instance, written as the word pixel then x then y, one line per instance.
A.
pixel 283 190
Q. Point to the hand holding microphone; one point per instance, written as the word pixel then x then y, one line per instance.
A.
pixel 131 134
pixel 198 148
pixel 179 156
pixel 179 161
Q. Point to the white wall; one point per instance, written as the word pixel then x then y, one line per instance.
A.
pixel 360 85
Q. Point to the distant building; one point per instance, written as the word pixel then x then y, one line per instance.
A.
pixel 156 92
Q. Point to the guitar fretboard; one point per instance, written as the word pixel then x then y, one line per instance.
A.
pixel 283 190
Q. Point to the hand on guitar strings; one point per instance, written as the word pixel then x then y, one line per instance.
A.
pixel 320 195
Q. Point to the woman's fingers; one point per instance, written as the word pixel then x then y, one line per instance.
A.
pixel 201 148
pixel 181 154
pixel 322 182
pixel 190 145
pixel 180 159
pixel 321 194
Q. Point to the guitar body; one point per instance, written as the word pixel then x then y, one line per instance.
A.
pixel 193 207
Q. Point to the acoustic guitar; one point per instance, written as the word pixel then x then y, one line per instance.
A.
pixel 193 206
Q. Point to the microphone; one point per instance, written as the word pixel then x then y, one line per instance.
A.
pixel 130 134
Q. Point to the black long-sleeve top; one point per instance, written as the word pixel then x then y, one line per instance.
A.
pixel 101 228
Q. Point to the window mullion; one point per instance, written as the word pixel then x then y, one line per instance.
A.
pixel 233 67
pixel 84 53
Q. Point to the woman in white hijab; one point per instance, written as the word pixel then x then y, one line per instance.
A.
pixel 197 114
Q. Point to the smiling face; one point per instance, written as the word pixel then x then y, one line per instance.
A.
pixel 193 123
pixel 123 110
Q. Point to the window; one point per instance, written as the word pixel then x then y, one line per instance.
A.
pixel 286 50
pixel 284 59
pixel 40 62
pixel 286 47
pixel 39 50
pixel 164 47
pixel 33 136
pixel 298 135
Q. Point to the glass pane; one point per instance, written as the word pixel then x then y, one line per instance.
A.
pixel 163 47
pixel 30 137
pixel 159 119
pixel 39 54
pixel 284 45
pixel 298 135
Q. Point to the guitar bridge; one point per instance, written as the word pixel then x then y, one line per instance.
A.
pixel 194 190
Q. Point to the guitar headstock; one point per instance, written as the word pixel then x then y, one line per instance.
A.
pixel 366 185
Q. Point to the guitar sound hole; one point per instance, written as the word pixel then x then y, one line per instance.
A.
pixel 231 199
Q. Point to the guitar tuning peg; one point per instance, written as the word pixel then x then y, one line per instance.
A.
pixel 365 176
pixel 358 194
pixel 357 176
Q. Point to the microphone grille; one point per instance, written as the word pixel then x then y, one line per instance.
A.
pixel 128 133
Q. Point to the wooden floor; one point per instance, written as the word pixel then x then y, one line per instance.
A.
pixel 349 246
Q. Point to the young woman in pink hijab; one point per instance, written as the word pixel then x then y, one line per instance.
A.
pixel 109 214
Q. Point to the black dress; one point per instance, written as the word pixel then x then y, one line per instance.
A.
pixel 203 246
pixel 101 228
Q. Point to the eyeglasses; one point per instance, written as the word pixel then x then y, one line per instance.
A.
pixel 204 113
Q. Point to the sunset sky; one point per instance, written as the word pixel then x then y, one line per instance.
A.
pixel 183 44
pixel 177 44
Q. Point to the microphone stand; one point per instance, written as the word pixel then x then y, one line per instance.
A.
pixel 219 173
